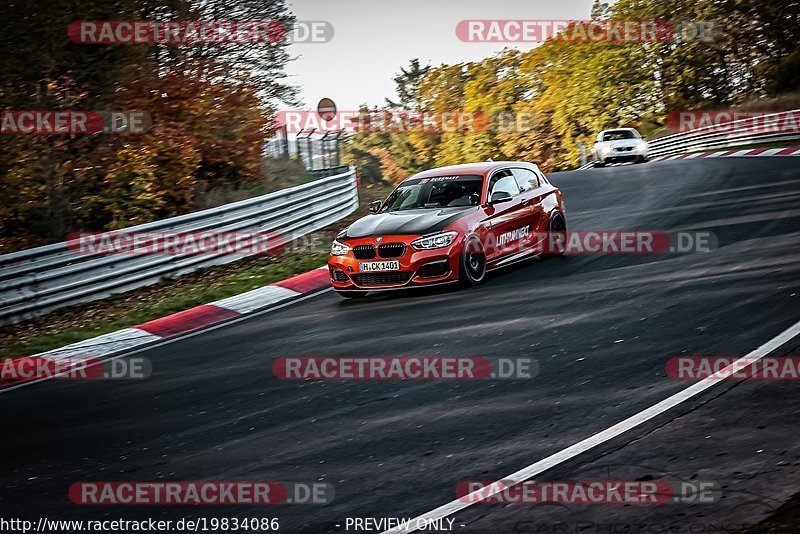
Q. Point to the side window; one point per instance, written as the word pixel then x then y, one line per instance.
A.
pixel 526 179
pixel 502 185
pixel 542 178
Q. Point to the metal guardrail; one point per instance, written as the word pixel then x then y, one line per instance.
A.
pixel 324 173
pixel 38 280
pixel 742 132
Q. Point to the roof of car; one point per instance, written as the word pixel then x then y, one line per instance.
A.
pixel 469 168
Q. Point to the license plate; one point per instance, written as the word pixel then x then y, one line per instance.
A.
pixel 369 266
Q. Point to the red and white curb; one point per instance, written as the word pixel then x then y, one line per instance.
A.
pixel 749 152
pixel 789 151
pixel 195 318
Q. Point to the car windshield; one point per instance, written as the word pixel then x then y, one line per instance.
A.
pixel 616 135
pixel 436 192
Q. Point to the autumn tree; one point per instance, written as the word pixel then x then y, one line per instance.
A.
pixel 208 105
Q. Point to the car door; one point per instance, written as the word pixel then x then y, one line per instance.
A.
pixel 539 202
pixel 506 214
pixel 530 193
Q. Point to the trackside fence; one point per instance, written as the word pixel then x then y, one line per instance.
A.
pixel 42 279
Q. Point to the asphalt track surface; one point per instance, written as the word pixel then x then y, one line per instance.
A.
pixel 601 328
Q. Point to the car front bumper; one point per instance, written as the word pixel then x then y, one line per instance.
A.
pixel 624 155
pixel 417 267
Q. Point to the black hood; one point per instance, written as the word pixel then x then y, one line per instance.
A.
pixel 421 221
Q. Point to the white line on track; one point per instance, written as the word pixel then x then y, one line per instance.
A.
pixel 165 341
pixel 601 437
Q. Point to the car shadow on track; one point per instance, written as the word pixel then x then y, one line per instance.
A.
pixel 493 277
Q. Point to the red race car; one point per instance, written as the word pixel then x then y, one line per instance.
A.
pixel 450 224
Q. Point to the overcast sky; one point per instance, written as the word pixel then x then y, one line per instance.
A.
pixel 374 38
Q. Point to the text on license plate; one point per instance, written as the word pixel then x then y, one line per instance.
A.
pixel 368 266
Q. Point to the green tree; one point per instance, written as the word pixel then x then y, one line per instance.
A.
pixel 407 83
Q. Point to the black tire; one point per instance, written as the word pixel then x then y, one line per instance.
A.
pixel 558 224
pixel 472 265
pixel 640 159
pixel 352 294
pixel 599 164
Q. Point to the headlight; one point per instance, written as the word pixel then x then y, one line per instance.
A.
pixel 641 145
pixel 605 149
pixel 445 239
pixel 339 249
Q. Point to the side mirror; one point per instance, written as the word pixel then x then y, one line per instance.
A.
pixel 500 196
pixel 375 206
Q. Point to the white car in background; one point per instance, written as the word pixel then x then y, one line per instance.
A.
pixel 619 144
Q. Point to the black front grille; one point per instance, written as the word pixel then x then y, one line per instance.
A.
pixel 364 252
pixel 434 269
pixel 339 275
pixel 382 279
pixel 391 250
